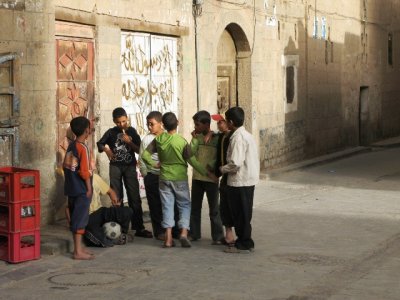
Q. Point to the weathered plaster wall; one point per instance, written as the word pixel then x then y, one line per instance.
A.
pixel 27 28
pixel 329 72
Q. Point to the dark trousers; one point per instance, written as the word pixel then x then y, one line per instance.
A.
pixel 120 215
pixel 128 175
pixel 211 190
pixel 224 209
pixel 153 199
pixel 240 200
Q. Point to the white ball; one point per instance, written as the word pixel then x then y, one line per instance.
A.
pixel 112 230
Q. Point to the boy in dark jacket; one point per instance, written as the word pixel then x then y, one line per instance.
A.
pixel 120 143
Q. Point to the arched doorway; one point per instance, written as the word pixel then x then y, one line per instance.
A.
pixel 234 72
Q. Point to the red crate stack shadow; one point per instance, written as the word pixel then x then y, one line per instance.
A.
pixel 19 214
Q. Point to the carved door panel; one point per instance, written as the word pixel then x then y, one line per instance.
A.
pixel 75 87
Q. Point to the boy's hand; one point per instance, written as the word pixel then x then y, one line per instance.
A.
pixel 126 138
pixel 89 194
pixel 208 136
pixel 115 202
pixel 109 153
pixel 212 176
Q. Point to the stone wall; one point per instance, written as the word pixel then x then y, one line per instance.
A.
pixel 331 71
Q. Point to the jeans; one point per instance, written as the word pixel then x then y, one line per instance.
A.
pixel 171 192
pixel 211 190
pixel 129 176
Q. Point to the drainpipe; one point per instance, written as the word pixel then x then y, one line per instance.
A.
pixel 197 10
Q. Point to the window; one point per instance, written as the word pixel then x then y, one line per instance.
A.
pixel 390 49
pixel 290 64
pixel 289 84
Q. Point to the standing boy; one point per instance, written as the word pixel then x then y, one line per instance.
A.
pixel 206 154
pixel 120 143
pixel 173 152
pixel 151 174
pixel 243 169
pixel 78 186
pixel 222 148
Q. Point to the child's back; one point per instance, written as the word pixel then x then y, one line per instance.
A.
pixel 170 148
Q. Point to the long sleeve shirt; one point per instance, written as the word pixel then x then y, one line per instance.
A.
pixel 144 167
pixel 205 153
pixel 243 164
pixel 174 152
pixel 123 153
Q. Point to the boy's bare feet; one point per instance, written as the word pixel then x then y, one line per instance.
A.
pixel 83 256
pixel 88 251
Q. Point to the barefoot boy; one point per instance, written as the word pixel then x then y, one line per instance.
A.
pixel 78 186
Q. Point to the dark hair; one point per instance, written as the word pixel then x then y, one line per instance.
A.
pixel 170 121
pixel 202 116
pixel 236 115
pixel 118 113
pixel 79 125
pixel 156 115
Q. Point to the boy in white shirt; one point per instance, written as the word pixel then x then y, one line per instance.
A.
pixel 243 169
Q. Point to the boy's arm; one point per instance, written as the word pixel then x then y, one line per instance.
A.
pixel 237 158
pixel 113 196
pixel 190 157
pixel 103 147
pixel 146 155
pixel 132 140
pixel 142 164
pixel 84 170
pixel 103 187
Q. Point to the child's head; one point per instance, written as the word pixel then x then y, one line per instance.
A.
pixel 120 118
pixel 234 117
pixel 154 122
pixel 202 120
pixel 221 122
pixel 80 126
pixel 170 121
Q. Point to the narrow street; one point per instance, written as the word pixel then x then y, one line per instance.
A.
pixel 331 231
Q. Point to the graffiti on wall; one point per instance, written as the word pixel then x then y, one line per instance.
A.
pixel 149 76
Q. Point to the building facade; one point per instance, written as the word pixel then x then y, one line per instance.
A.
pixel 313 76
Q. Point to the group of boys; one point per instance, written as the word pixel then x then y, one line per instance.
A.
pixel 164 155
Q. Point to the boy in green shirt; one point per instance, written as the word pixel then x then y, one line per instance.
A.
pixel 173 152
pixel 204 147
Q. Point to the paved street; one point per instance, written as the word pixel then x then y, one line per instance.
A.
pixel 330 231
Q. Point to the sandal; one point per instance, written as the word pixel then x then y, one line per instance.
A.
pixel 144 233
pixel 123 239
pixel 236 250
pixel 185 243
pixel 164 245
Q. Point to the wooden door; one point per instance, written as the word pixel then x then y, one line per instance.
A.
pixel 75 81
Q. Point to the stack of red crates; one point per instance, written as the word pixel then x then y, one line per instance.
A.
pixel 19 214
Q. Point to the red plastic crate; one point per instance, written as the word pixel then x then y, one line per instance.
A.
pixel 18 185
pixel 16 217
pixel 19 247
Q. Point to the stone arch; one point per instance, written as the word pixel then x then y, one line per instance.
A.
pixel 234 69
